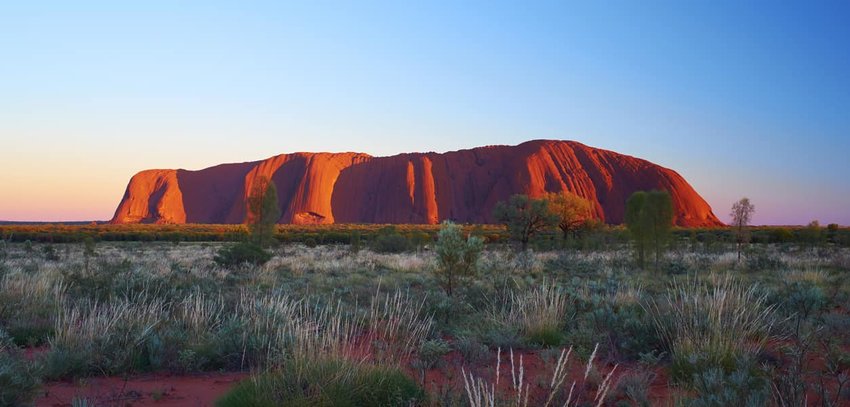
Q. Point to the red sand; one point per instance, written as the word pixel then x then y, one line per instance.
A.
pixel 146 390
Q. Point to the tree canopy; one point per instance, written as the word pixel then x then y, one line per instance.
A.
pixel 263 212
pixel 572 211
pixel 649 219
pixel 524 217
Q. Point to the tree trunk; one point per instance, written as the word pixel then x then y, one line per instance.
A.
pixel 738 249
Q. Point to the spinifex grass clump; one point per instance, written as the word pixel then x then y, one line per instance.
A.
pixel 333 357
pixel 100 337
pixel 539 313
pixel 397 323
pixel 327 382
pixel 712 326
pixel 28 303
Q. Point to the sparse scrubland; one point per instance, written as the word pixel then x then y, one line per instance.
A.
pixel 373 322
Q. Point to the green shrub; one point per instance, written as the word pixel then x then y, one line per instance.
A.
pixel 333 382
pixel 388 240
pixel 501 337
pixel 675 267
pixel 473 352
pixel 242 253
pixel 354 242
pixel 634 386
pixel 763 262
pixel 627 327
pixel 573 264
pixel 18 380
pixel 781 235
pixel 50 253
pixel 801 299
pixel 311 242
pixel 457 258
pixel 431 353
pixel 743 386
pixel 547 336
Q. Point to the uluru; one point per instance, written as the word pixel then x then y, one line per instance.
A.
pixel 419 188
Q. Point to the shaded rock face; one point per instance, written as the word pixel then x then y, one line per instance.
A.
pixel 464 186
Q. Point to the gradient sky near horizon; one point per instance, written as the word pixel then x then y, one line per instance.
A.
pixel 741 98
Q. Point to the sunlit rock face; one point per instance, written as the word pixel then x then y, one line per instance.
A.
pixel 321 188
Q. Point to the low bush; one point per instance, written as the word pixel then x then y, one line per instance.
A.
pixel 743 386
pixel 242 253
pixel 573 264
pixel 634 387
pixel 674 267
pixel 473 352
pixel 18 380
pixel 800 299
pixel 50 253
pixel 333 382
pixel 388 240
pixel 763 261
pixel 457 257
pixel 431 353
pixel 627 327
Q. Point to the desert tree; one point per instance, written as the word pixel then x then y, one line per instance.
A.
pixel 89 250
pixel 832 232
pixel 263 212
pixel 741 215
pixel 457 257
pixel 649 219
pixel 4 247
pixel 635 225
pixel 572 211
pixel 524 217
pixel 812 234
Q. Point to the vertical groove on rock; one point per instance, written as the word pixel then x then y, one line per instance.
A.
pixel 463 186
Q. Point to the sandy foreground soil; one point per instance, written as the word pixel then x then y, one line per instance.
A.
pixel 145 390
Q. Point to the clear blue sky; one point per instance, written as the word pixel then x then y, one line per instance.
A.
pixel 742 98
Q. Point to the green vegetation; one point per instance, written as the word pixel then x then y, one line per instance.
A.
pixel 524 217
pixel 457 258
pixel 327 383
pixel 262 217
pixel 18 380
pixel 389 240
pixel 649 218
pixel 263 212
pixel 573 211
pixel 367 314
pixel 712 326
pixel 742 212
pixel 242 253
pixel 594 236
